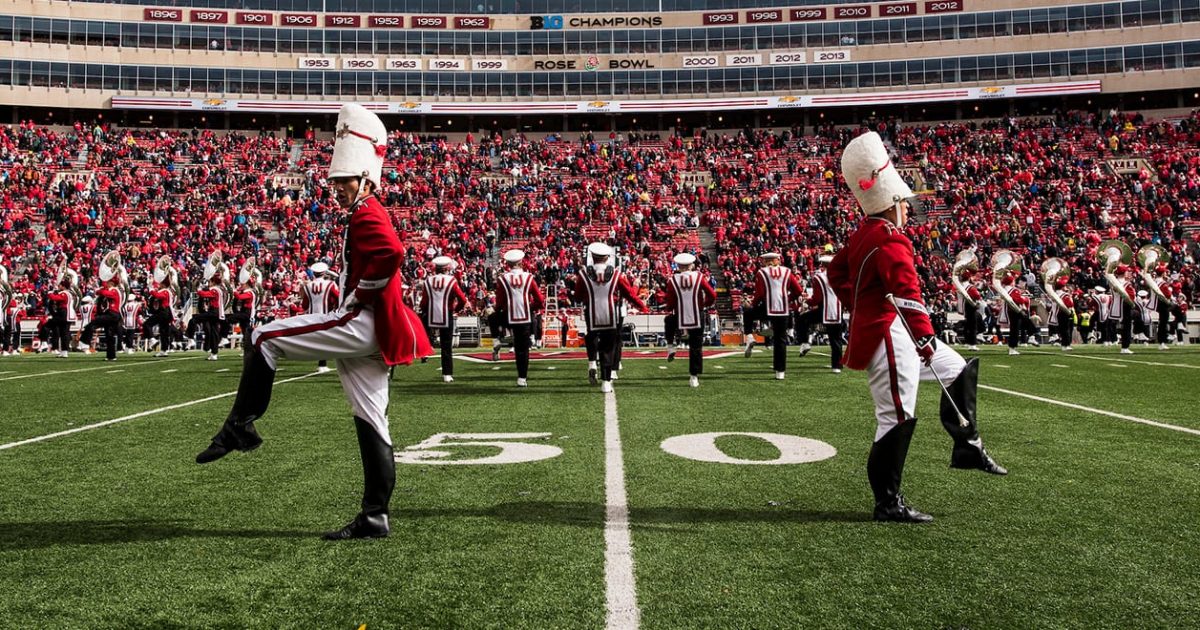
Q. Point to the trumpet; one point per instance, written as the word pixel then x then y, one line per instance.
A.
pixel 1052 269
pixel 1110 254
pixel 1149 257
pixel 1004 262
pixel 965 261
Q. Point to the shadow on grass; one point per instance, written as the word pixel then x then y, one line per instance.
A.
pixel 592 514
pixel 39 535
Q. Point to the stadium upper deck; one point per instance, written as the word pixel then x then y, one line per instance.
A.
pixel 418 57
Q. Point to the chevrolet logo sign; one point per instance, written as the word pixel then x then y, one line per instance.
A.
pixel 214 102
pixel 789 99
pixel 598 104
pixel 991 90
pixel 410 105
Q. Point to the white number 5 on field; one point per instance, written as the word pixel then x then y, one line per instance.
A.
pixel 437 448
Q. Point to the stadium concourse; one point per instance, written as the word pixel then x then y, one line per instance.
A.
pixel 1040 187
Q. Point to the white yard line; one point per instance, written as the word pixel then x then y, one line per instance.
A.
pixel 135 416
pixel 620 587
pixel 102 367
pixel 1121 416
pixel 1067 355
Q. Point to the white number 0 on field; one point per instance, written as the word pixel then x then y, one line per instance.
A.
pixel 433 450
pixel 793 449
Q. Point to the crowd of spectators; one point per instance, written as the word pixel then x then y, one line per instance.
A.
pixel 1040 187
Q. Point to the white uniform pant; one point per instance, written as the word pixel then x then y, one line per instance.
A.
pixel 349 338
pixel 896 370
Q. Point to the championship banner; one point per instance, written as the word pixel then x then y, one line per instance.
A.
pixel 632 106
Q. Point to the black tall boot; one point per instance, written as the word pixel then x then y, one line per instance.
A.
pixel 968 447
pixel 885 466
pixel 379 479
pixel 253 398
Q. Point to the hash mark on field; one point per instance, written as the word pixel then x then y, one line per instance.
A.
pixel 1002 366
pixel 1059 365
pixel 1111 414
pixel 114 371
pixel 225 370
pixel 1117 365
pixel 135 416
pixel 169 371
pixel 91 369
pixel 620 587
pixel 7 371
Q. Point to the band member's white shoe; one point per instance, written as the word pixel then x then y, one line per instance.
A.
pixel 63 355
pixel 1163 346
pixel 1067 348
pixel 1126 351
pixel 779 376
pixel 973 348
pixel 606 387
pixel 1012 352
pixel 447 378
pixel 522 383
pixel 749 348
pixel 837 370
pixel 615 375
pixel 694 381
pixel 805 348
pixel 159 354
pixel 211 357
pixel 321 369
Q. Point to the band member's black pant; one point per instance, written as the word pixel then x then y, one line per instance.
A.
pixel 522 339
pixel 445 336
pixel 607 341
pixel 113 331
pixel 589 345
pixel 835 332
pixel 1126 324
pixel 803 324
pixel 130 337
pixel 57 332
pixel 495 323
pixel 242 319
pixel 1180 324
pixel 1065 329
pixel 779 326
pixel 162 319
pixel 1164 317
pixel 210 324
pixel 970 324
pixel 1020 326
pixel 695 343
pixel 8 338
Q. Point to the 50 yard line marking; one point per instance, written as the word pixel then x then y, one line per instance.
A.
pixel 620 586
pixel 142 414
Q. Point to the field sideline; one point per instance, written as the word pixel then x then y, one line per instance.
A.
pixel 114 526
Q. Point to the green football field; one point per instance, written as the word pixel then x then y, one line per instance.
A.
pixel 114 526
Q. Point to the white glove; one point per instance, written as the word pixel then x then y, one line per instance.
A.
pixel 352 302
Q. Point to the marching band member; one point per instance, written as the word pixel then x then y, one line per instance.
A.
pixel 1062 313
pixel 825 301
pixel 1180 308
pixel 246 299
pixel 1160 303
pixel 110 299
pixel 215 300
pixel 371 330
pixel 63 307
pixel 131 320
pixel 1123 303
pixel 87 313
pixel 1014 312
pixel 1102 302
pixel 601 287
pixel 441 300
pixel 689 293
pixel 897 348
pixel 319 296
pixel 775 289
pixel 969 296
pixel 517 299
pixel 10 336
pixel 162 305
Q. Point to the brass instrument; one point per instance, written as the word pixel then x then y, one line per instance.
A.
pixel 110 266
pixel 251 276
pixel 5 287
pixel 164 272
pixel 1149 257
pixel 1052 269
pixel 965 261
pixel 1110 254
pixel 1004 262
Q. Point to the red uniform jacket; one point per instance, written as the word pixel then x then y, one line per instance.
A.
pixel 165 299
pixel 114 299
pixel 371 263
pixel 877 260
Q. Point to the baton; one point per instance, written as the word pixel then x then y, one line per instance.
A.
pixel 962 420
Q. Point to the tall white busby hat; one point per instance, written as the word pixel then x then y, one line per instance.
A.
pixel 685 259
pixel 599 249
pixel 770 255
pixel 443 262
pixel 871 175
pixel 514 256
pixel 319 269
pixel 360 144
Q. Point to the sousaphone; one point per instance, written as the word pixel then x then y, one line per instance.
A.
pixel 965 261
pixel 1052 269
pixel 164 271
pixel 1149 257
pixel 1110 254
pixel 1005 262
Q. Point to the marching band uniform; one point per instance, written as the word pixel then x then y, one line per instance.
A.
pixel 87 312
pixel 318 297
pixel 1180 309
pixel 970 310
pixel 10 337
pixel 441 299
pixel 1103 302
pixel 1121 307
pixel 898 349
pixel 825 301
pixel 1016 318
pixel 517 299
pixel 601 287
pixel 1162 306
pixel 370 331
pixel 689 293
pixel 109 301
pixel 212 319
pixel 245 311
pixel 131 320
pixel 162 314
pixel 775 289
pixel 63 306
pixel 1062 321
